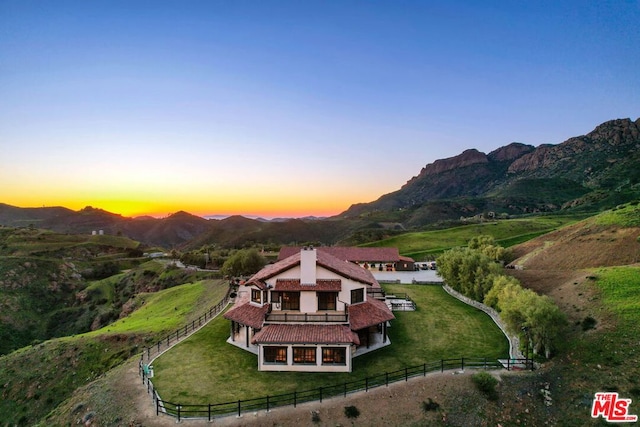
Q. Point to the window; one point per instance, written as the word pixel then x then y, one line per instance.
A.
pixel 256 295
pixel 304 355
pixel 334 356
pixel 291 300
pixel 274 354
pixel 357 295
pixel 327 300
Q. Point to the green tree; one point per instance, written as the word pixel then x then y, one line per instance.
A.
pixel 243 262
pixel 545 322
pixel 488 246
pixel 466 270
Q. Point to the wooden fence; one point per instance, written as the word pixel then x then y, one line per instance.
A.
pixel 209 411
pixel 151 352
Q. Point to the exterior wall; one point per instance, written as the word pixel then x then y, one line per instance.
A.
pixel 318 367
pixel 308 300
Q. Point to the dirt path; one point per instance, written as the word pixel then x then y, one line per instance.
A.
pixel 399 404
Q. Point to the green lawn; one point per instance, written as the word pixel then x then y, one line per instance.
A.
pixel 205 369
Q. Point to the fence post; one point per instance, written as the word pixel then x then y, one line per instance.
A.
pixel 345 389
pixel 386 379
pixel 366 384
pixel 179 407
pixel 424 369
pixel 441 365
pixel 320 389
pixel 157 407
pixel 462 363
pixel 294 398
pixel 209 412
pixel 267 403
pixel 239 415
pixel 406 375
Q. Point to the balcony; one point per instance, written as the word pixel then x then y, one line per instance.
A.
pixel 297 317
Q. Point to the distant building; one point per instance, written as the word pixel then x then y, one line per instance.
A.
pixel 387 259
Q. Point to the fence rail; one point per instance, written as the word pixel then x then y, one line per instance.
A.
pixel 307 318
pixel 211 411
pixel 153 351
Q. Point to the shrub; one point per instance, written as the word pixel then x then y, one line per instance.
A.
pixel 486 383
pixel 430 405
pixel 351 412
pixel 588 323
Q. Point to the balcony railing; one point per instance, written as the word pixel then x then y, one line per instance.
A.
pixel 288 317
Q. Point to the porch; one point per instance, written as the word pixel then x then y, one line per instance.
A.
pixel 374 340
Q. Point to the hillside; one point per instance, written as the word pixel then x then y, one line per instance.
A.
pixel 600 358
pixel 551 265
pixel 53 285
pixel 589 172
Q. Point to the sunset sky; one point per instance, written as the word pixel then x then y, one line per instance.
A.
pixel 290 108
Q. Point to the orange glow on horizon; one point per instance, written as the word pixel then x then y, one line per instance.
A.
pixel 132 209
pixel 163 200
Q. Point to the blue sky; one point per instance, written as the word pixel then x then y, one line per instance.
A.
pixel 291 108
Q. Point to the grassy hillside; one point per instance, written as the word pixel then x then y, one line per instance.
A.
pixel 53 285
pixel 38 378
pixel 590 269
pixel 428 244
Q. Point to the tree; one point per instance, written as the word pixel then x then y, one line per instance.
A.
pixel 474 272
pixel 535 318
pixel 243 262
pixel 466 270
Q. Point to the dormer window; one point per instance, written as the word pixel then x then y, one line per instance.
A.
pixel 256 296
pixel 357 295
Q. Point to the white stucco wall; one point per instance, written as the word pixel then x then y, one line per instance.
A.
pixel 308 300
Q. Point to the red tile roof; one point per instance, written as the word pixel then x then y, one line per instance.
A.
pixel 305 334
pixel 321 285
pixel 248 314
pixel 324 259
pixel 368 313
pixel 349 253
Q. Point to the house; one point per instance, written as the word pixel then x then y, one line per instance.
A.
pixel 381 259
pixel 309 312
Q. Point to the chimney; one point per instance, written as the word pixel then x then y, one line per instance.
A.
pixel 308 266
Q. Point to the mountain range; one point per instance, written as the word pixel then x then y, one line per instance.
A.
pixel 585 173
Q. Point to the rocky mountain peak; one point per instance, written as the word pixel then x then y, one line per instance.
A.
pixel 466 158
pixel 613 139
pixel 510 152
